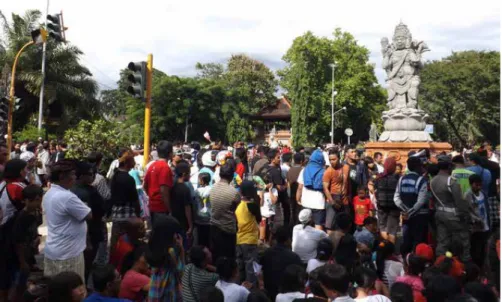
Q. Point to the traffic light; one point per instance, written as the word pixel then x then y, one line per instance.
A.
pixel 55 27
pixel 137 80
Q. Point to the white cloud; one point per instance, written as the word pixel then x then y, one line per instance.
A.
pixel 183 32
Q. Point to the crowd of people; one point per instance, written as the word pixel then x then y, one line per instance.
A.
pixel 249 223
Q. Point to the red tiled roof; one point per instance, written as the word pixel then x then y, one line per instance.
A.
pixel 280 111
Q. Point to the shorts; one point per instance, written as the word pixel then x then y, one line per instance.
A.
pixel 388 221
pixel 319 216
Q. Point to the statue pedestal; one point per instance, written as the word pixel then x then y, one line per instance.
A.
pixel 400 149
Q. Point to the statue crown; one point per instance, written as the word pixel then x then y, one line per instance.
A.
pixel 402 30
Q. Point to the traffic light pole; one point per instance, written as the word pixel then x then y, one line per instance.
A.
pixel 11 102
pixel 42 87
pixel 148 110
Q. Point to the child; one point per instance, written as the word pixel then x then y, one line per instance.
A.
pixel 25 235
pixel 268 207
pixel 399 169
pixel 227 270
pixel 136 280
pixel 367 286
pixel 202 209
pixel 414 268
pixel 362 207
pixel 248 216
pixel 388 265
pixel 324 254
pixel 450 264
pixel 479 216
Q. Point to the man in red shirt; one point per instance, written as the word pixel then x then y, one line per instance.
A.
pixel 159 181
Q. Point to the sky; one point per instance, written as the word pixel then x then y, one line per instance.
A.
pixel 181 33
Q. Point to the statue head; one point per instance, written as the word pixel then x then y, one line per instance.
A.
pixel 402 36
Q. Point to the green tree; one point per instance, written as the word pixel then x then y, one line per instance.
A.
pixel 308 77
pixel 99 135
pixel 461 93
pixel 68 84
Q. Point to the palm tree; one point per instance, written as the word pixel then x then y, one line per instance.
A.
pixel 68 84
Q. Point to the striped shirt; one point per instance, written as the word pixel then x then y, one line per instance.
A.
pixel 194 281
pixel 224 200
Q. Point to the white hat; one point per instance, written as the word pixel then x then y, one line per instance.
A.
pixel 305 215
pixel 27 156
pixel 207 160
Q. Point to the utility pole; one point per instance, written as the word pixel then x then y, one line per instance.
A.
pixel 41 100
pixel 148 109
pixel 333 94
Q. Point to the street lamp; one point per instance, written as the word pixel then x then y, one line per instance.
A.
pixel 333 94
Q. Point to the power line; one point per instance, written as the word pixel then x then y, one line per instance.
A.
pixel 98 70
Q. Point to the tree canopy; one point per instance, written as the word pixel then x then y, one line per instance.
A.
pixel 70 91
pixel 308 77
pixel 461 93
pixel 221 99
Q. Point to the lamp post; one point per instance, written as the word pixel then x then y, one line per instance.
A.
pixel 333 94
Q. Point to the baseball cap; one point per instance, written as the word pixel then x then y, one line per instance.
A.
pixel 305 215
pixel 424 251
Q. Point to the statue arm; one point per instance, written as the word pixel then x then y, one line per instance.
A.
pixel 386 63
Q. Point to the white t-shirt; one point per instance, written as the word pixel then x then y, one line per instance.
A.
pixel 380 168
pixel 268 209
pixel 374 298
pixel 289 297
pixel 233 292
pixel 392 270
pixel 284 170
pixel 311 199
pixel 66 227
pixel 313 264
pixel 305 241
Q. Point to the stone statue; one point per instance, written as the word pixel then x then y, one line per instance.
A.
pixel 402 61
pixel 373 133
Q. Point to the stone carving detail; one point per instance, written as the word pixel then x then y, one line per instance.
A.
pixel 402 61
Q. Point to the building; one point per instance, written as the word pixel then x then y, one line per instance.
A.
pixel 273 124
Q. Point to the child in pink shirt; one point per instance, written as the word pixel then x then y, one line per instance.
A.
pixel 414 267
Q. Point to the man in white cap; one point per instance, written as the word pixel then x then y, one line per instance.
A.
pixel 209 164
pixel 306 236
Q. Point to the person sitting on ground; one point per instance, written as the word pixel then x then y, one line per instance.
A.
pixel 314 288
pixel 324 254
pixel 426 252
pixel 480 292
pixel 401 292
pixel 211 294
pixel 66 287
pixel 292 284
pixel 366 236
pixel 166 256
pixel 441 287
pixel 135 231
pixel 344 244
pixel 275 260
pixel 195 276
pixel 136 275
pixel 306 237
pixel 414 267
pixel 229 274
pixel 335 282
pixel 365 283
pixel 450 264
pixel 388 265
pixel 106 285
